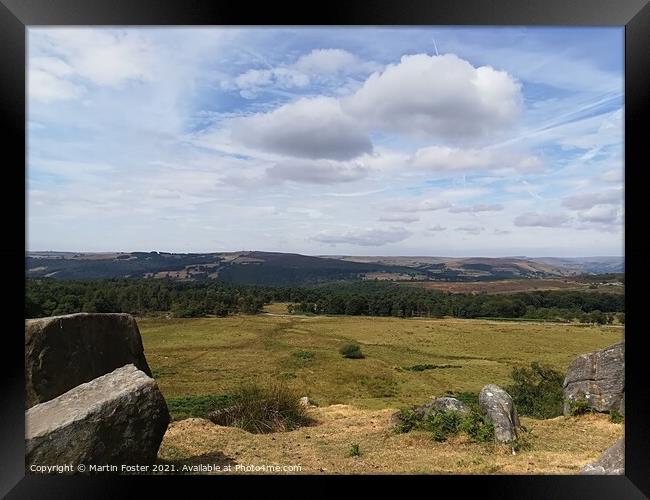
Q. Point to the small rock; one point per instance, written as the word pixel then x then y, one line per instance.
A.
pixel 498 406
pixel 443 404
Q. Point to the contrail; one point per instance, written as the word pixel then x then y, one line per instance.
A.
pixel 435 46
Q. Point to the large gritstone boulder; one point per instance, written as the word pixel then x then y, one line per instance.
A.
pixel 118 418
pixel 612 461
pixel 598 379
pixel 62 352
pixel 498 406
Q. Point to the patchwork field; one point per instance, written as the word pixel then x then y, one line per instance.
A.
pixel 355 397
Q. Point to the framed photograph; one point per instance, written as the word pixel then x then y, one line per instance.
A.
pixel 380 241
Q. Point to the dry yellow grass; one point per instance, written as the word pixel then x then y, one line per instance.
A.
pixel 561 445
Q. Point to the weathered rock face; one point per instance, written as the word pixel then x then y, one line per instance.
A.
pixel 118 418
pixel 62 352
pixel 498 406
pixel 611 462
pixel 597 378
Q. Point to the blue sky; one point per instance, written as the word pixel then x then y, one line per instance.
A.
pixel 454 141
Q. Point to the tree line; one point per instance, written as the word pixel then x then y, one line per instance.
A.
pixel 49 297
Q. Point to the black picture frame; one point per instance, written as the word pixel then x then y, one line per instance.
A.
pixel 17 15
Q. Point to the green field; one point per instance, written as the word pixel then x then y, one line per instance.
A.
pixel 206 356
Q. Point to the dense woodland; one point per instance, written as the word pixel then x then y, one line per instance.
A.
pixel 48 297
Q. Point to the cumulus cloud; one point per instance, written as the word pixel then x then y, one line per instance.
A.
pixel 477 208
pixel 534 219
pixel 316 171
pixel 604 214
pixel 437 97
pixel 314 128
pixel 450 160
pixel 399 218
pixel 587 200
pixel 319 65
pixel 363 237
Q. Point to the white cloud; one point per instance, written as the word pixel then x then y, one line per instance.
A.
pixel 426 206
pixel 329 61
pixel 406 219
pixel 495 207
pixel 307 128
pixel 254 79
pixel 437 228
pixel 437 97
pixel 588 200
pixel 605 214
pixel 615 175
pixel 319 65
pixel 540 220
pixel 470 229
pixel 316 171
pixel 453 160
pixel 74 57
pixel 47 81
pixel 363 237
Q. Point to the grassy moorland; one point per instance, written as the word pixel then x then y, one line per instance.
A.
pixel 206 359
pixel 202 356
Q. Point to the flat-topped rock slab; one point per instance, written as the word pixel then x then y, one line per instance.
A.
pixel 118 418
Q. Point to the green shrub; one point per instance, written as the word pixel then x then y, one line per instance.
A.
pixel 579 407
pixel 421 368
pixel 616 417
pixel 407 420
pixel 478 426
pixel 354 450
pixel 196 406
pixel 537 391
pixel 262 409
pixel 441 425
pixel 352 351
pixel 303 355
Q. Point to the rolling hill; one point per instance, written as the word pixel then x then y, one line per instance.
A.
pixel 273 268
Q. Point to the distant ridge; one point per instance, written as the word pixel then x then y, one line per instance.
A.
pixel 277 268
